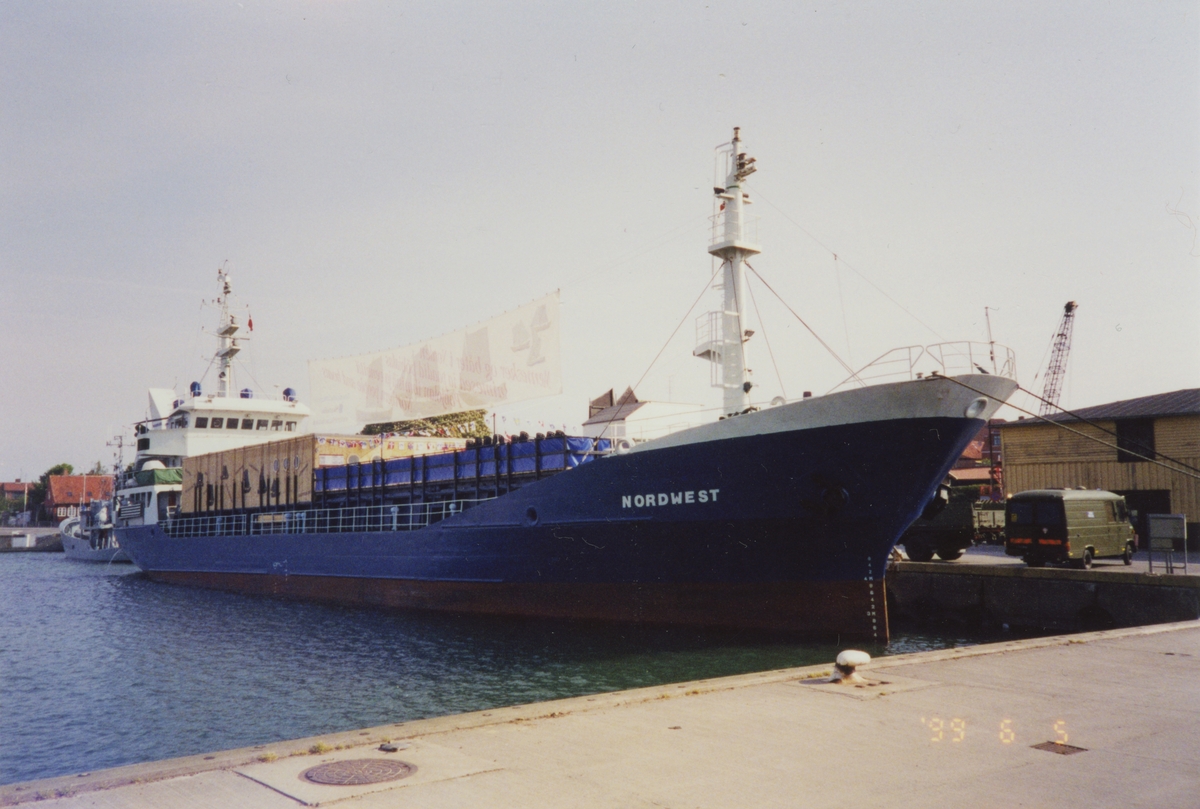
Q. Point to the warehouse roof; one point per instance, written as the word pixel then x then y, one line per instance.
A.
pixel 1177 403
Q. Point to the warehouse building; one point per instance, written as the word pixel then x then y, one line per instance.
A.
pixel 1147 449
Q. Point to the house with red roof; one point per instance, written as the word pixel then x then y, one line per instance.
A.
pixel 66 493
pixel 14 491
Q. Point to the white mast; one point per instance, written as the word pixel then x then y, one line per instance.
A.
pixel 227 345
pixel 733 248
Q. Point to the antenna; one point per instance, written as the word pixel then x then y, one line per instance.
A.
pixel 1058 361
pixel 118 441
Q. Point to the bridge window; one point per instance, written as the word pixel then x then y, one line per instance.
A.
pixel 201 422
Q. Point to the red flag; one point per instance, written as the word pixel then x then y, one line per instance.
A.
pixel 250 322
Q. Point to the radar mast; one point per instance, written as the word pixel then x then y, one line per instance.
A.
pixel 227 344
pixel 727 334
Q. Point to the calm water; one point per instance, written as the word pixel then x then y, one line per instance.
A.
pixel 100 666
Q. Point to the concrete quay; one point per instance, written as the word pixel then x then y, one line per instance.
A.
pixel 48 540
pixel 988 589
pixel 1102 719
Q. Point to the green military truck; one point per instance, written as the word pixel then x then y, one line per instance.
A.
pixel 989 523
pixel 1068 525
pixel 946 527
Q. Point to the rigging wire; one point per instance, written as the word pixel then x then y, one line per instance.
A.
pixel 1049 345
pixel 204 376
pixel 1187 471
pixel 850 266
pixel 250 374
pixel 1093 424
pixel 832 353
pixel 616 408
pixel 692 224
pixel 199 333
pixel 837 274
pixel 767 340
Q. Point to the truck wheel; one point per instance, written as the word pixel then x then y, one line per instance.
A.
pixel 918 552
pixel 1127 557
pixel 1035 561
pixel 1085 561
pixel 949 554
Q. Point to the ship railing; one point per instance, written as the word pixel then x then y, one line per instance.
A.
pixel 350 519
pixel 947 359
pixel 708 329
pixel 717 229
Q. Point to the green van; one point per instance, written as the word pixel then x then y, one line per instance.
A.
pixel 1068 525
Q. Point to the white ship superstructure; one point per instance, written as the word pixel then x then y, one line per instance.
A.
pixel 178 428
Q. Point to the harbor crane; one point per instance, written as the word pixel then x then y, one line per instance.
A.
pixel 1057 368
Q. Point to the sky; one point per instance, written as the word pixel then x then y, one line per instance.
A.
pixel 374 174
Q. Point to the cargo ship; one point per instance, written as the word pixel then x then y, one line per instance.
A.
pixel 780 517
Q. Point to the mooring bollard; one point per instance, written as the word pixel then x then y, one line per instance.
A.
pixel 847 661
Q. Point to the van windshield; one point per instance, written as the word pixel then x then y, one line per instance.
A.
pixel 1035 512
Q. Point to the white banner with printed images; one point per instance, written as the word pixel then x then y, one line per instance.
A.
pixel 510 358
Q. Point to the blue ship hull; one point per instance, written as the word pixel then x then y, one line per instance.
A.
pixel 781 530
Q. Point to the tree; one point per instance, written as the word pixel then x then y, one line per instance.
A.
pixel 97 469
pixel 38 491
pixel 57 469
pixel 10 504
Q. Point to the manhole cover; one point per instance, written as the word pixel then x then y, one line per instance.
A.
pixel 359 771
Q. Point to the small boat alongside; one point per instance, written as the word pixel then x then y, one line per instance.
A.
pixel 90 537
pixel 87 532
